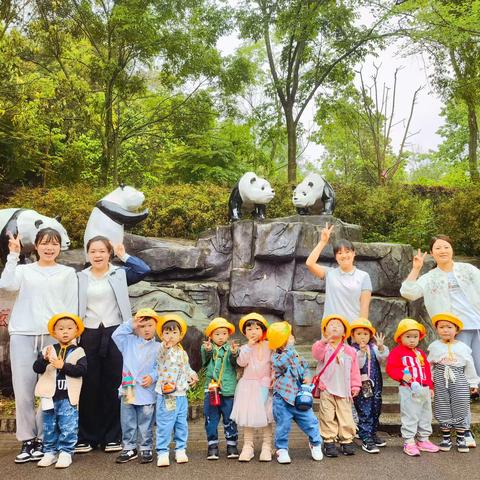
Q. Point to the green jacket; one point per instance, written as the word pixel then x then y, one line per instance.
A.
pixel 212 361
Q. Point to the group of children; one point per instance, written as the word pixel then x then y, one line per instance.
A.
pixel 276 386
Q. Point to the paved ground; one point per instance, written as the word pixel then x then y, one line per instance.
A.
pixel 390 464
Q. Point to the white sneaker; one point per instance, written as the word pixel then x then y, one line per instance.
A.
pixel 283 456
pixel 317 453
pixel 181 456
pixel 470 439
pixel 48 459
pixel 64 460
pixel 163 460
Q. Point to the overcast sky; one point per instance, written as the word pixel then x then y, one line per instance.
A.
pixel 426 119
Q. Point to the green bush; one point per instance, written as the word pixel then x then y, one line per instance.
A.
pixel 399 213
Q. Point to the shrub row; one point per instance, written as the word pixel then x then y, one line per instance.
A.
pixel 400 213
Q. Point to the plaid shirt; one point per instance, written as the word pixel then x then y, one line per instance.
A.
pixel 289 370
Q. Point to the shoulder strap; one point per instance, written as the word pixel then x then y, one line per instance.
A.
pixel 331 359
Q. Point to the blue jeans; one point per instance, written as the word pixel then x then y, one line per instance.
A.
pixel 60 427
pixel 168 421
pixel 212 417
pixel 137 423
pixel 284 413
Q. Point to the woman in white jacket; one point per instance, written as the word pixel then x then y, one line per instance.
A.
pixel 450 287
pixel 44 288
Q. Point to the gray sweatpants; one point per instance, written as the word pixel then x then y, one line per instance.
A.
pixel 23 352
pixel 415 414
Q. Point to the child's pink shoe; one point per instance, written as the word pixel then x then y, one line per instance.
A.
pixel 411 449
pixel 427 446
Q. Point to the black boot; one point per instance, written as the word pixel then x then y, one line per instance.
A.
pixel 232 451
pixel 212 453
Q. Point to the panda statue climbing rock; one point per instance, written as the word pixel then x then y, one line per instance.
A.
pixel 250 192
pixel 114 212
pixel 27 223
pixel 314 196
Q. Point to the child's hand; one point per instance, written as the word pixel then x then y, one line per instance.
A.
pixel 380 339
pixel 234 347
pixel 307 380
pixel 418 260
pixel 355 392
pixel 169 343
pixel 193 379
pixel 252 342
pixel 364 347
pixel 326 339
pixel 57 363
pixel 47 353
pixel 325 233
pixel 207 345
pixel 407 378
pixel 147 380
pixel 473 390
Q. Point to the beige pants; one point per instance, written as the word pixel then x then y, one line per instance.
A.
pixel 336 418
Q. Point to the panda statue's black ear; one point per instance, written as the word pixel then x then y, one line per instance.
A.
pixel 38 223
pixel 310 184
pixel 253 179
pixel 58 218
pixel 122 185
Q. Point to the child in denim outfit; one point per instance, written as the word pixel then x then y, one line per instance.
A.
pixel 62 367
pixel 290 372
pixel 136 342
pixel 174 378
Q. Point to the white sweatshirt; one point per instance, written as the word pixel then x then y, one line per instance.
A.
pixel 42 293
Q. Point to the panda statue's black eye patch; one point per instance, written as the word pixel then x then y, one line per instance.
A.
pixel 304 194
pixel 310 184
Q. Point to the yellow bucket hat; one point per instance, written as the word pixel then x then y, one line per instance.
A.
pixel 336 317
pixel 362 323
pixel 148 312
pixel 175 318
pixel 252 316
pixel 448 317
pixel 408 324
pixel 278 334
pixel 219 322
pixel 71 316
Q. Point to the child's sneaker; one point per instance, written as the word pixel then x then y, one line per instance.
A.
pixel 181 456
pixel 126 456
pixel 163 460
pixel 445 445
pixel 37 453
pixel 213 452
pixel 48 459
pixel 232 451
pixel 427 446
pixel 462 446
pixel 64 460
pixel 283 456
pixel 146 456
pixel 348 448
pixel 317 453
pixel 378 441
pixel 369 446
pixel 470 439
pixel 330 450
pixel 411 449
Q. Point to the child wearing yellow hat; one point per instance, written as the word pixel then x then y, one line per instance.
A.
pixel 408 365
pixel 454 378
pixel 219 358
pixel 339 382
pixel 136 342
pixel 252 405
pixel 291 378
pixel 175 376
pixel 61 367
pixel 371 350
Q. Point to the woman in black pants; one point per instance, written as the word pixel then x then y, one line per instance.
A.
pixel 103 305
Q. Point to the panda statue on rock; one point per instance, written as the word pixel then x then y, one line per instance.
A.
pixel 114 212
pixel 314 196
pixel 251 191
pixel 26 223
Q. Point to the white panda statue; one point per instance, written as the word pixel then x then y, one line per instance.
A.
pixel 113 213
pixel 314 195
pixel 250 191
pixel 27 223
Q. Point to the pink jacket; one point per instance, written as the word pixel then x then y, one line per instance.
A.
pixel 323 351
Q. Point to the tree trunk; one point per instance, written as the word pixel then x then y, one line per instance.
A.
pixel 109 140
pixel 292 145
pixel 472 142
